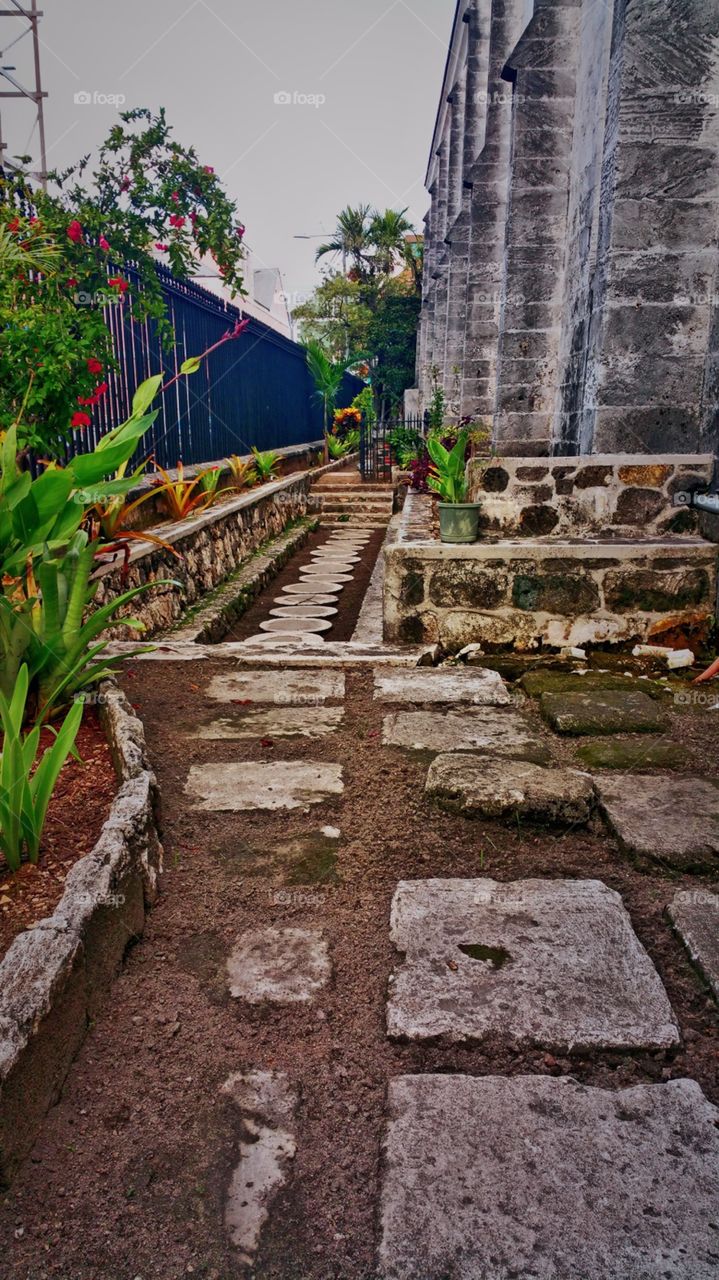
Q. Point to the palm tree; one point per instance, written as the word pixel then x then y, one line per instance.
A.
pixel 327 377
pixel 386 234
pixel 350 239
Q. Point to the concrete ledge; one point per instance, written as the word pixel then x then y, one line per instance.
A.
pixel 55 977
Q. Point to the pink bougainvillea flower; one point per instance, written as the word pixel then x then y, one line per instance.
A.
pixel 125 184
pixel 240 230
pixel 175 196
pixel 117 282
pixel 162 247
pixel 209 169
pixel 177 220
pixel 104 244
pixel 35 222
pixel 80 419
pixel 74 231
pixel 94 365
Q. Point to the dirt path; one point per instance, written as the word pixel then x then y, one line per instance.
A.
pixel 130 1174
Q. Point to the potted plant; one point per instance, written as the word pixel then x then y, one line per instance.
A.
pixel 458 519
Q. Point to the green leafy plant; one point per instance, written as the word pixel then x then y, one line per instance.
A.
pixel 337 448
pixel 210 480
pixel 448 475
pixel 26 784
pixel 182 498
pixel 243 471
pixel 266 464
pixel 407 444
pixel 327 376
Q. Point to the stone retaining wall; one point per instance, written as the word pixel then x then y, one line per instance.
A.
pixel 211 545
pixel 617 495
pixel 54 978
pixel 547 592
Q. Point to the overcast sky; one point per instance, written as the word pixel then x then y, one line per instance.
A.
pixel 217 66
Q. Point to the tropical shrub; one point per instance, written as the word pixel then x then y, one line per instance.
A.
pixel 243 471
pixel 337 448
pixel 26 784
pixel 345 420
pixel 448 475
pixel 180 497
pixel 266 464
pixel 407 444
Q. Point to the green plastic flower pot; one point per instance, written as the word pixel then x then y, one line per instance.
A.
pixel 458 521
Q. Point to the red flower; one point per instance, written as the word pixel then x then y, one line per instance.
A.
pixel 118 283
pixel 104 244
pixel 14 225
pixel 176 220
pixel 96 396
pixel 80 420
pixel 125 184
pixel 240 230
pixel 74 231
pixel 209 169
pixel 94 365
pixel 162 247
pixel 72 283
pixel 175 196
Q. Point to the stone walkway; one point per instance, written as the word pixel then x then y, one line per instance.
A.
pixel 396 1065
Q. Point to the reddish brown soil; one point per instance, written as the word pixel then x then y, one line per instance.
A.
pixel 349 601
pixel 77 811
pixel 129 1175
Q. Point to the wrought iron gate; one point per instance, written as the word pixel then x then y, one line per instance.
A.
pixel 376 453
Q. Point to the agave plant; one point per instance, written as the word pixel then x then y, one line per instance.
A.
pixel 26 784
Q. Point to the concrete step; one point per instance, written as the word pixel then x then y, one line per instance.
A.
pixel 369 508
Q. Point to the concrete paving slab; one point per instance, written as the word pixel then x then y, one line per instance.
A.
pixel 670 820
pixel 338 572
pixel 276 722
pixel 481 788
pixel 311 598
pixel 548 963
pixel 287 687
pixel 253 784
pixel 600 712
pixel 278 966
pixel 310 587
pixel 429 684
pixel 500 731
pixel 303 611
pixel 542 1179
pixel 267 1105
pixel 695 916
pixel 306 626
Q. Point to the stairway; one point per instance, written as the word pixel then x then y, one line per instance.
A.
pixel 342 498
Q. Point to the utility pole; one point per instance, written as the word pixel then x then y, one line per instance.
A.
pixel 30 18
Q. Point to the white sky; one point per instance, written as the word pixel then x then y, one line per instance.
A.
pixel 216 65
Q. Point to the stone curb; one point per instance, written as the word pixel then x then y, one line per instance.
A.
pixel 55 977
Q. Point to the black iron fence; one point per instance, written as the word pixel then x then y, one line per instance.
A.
pixel 256 390
pixel 383 444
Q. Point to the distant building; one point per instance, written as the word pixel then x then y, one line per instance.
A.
pixel 266 298
pixel 571 245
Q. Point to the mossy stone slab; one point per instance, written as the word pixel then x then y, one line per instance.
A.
pixel 642 753
pixel 535 683
pixel 600 712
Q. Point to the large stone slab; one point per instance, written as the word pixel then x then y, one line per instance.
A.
pixel 291 688
pixel 267 1107
pixel 671 820
pixel 485 788
pixel 253 784
pixel 275 722
pixel 535 683
pixel 545 1179
pixel 553 963
pixel 278 966
pixel 429 684
pixel 695 916
pixel 502 732
pixel 632 753
pixel 601 712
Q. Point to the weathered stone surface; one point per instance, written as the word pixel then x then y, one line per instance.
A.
pixel 537 521
pixel 304 611
pixel 639 507
pixel 267 1105
pixel 252 784
pixel 536 683
pixel 631 753
pixel 433 684
pixel 278 966
pixel 305 601
pixel 669 820
pixel 277 722
pixel 503 732
pixel 555 593
pixel 465 583
pixel 651 476
pixel 314 585
pixel 601 712
pixel 290 688
pixel 307 626
pixel 656 592
pixel 555 964
pixel 487 1178
pixel 484 788
pixel 695 916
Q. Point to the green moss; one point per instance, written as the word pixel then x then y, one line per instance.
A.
pixel 535 683
pixel 648 753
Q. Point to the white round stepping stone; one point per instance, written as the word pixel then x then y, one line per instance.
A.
pixel 303 611
pixel 323 569
pixel 315 598
pixel 340 553
pixel 312 587
pixel 302 625
pixel 337 578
